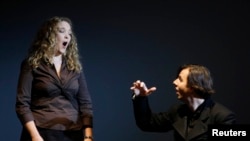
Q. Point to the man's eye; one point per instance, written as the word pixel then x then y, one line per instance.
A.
pixel 180 79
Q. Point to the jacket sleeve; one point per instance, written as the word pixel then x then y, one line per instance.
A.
pixel 23 96
pixel 85 102
pixel 148 121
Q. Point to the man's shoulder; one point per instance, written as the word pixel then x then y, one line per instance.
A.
pixel 220 109
pixel 219 106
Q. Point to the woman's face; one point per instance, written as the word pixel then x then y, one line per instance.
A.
pixel 63 37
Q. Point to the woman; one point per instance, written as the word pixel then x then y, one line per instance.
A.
pixel 53 102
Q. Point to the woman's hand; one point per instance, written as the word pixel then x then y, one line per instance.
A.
pixel 37 138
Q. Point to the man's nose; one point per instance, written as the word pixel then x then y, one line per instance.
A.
pixel 174 82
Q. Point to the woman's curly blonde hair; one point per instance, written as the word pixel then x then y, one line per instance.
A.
pixel 42 48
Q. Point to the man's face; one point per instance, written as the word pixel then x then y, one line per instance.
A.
pixel 180 83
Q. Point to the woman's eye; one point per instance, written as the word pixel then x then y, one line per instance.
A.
pixel 61 30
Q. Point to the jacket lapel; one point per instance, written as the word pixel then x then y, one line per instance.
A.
pixel 200 126
pixel 181 125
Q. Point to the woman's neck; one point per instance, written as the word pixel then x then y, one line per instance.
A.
pixel 57 59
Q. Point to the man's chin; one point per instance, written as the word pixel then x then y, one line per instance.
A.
pixel 179 97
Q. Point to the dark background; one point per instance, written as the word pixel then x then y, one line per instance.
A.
pixel 123 41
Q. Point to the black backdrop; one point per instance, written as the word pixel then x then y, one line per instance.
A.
pixel 124 41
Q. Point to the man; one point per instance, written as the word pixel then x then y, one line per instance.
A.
pixel 189 119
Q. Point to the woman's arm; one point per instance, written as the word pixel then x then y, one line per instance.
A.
pixel 32 130
pixel 88 134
